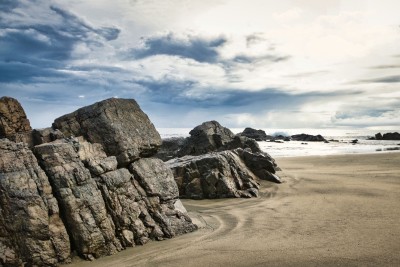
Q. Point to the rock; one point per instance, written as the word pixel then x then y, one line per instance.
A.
pixel 213 175
pixel 261 164
pixel 170 148
pixel 14 124
pixel 91 230
pixel 242 142
pixel 258 135
pixel 46 135
pixel 388 136
pixel 207 137
pixel 119 125
pixel 355 141
pixel 308 138
pixel 31 231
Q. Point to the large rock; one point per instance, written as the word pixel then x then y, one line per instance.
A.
pixel 119 125
pixel 31 231
pixel 46 135
pixel 91 229
pixel 388 136
pixel 308 138
pixel 170 148
pixel 213 175
pixel 14 124
pixel 258 135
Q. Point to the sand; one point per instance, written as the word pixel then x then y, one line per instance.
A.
pixel 331 211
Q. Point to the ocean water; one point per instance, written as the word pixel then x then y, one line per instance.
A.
pixel 296 148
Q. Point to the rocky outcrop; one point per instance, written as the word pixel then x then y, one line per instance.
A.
pixel 261 164
pixel 14 124
pixel 31 230
pixel 213 175
pixel 388 136
pixel 73 194
pixel 258 135
pixel 170 148
pixel 119 125
pixel 308 138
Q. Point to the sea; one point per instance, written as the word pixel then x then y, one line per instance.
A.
pixel 342 144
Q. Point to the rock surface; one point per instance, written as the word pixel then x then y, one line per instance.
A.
pixel 308 138
pixel 119 125
pixel 14 124
pixel 213 175
pixel 258 135
pixel 75 195
pixel 31 230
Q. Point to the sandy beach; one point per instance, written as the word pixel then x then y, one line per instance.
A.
pixel 331 211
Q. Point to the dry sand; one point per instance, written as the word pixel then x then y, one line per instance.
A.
pixel 331 211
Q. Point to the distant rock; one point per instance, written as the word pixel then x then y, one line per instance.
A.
pixel 258 135
pixel 388 136
pixel 14 124
pixel 170 148
pixel 308 138
pixel 213 175
pixel 119 125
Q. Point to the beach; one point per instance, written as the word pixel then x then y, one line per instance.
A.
pixel 338 210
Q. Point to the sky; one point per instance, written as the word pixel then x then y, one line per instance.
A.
pixel 259 63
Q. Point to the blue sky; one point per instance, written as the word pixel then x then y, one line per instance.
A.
pixel 260 63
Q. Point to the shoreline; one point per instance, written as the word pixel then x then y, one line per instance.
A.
pixel 339 155
pixel 331 210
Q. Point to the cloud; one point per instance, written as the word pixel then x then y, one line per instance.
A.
pixel 196 48
pixel 387 79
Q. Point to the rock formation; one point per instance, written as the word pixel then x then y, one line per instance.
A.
pixel 388 136
pixel 258 135
pixel 213 175
pixel 308 138
pixel 95 192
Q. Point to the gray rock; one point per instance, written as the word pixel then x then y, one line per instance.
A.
pixel 213 175
pixel 170 148
pixel 119 125
pixel 14 124
pixel 31 231
pixel 308 138
pixel 91 229
pixel 46 135
pixel 388 136
pixel 258 135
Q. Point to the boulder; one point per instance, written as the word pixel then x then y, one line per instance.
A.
pixel 14 124
pixel 46 135
pixel 31 230
pixel 119 125
pixel 258 135
pixel 308 138
pixel 213 175
pixel 388 136
pixel 170 148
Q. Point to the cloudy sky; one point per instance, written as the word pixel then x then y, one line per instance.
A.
pixel 259 63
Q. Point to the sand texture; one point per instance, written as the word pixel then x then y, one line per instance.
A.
pixel 331 211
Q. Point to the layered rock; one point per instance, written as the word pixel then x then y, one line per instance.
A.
pixel 119 125
pixel 308 138
pixel 170 148
pixel 258 135
pixel 46 135
pixel 31 230
pixel 261 164
pixel 14 124
pixel 213 175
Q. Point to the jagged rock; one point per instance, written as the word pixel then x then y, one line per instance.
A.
pixel 213 175
pixel 388 136
pixel 91 229
pixel 31 231
pixel 308 138
pixel 258 135
pixel 261 164
pixel 242 142
pixel 46 135
pixel 119 125
pixel 170 148
pixel 14 124
pixel 207 137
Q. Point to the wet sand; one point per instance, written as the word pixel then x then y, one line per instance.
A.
pixel 331 211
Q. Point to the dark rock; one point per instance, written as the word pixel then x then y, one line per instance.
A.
pixel 355 141
pixel 170 148
pixel 258 135
pixel 308 138
pixel 14 124
pixel 31 231
pixel 388 136
pixel 119 125
pixel 213 175
pixel 46 135
pixel 242 142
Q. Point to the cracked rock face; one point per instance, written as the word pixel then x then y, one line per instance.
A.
pixel 119 125
pixel 31 229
